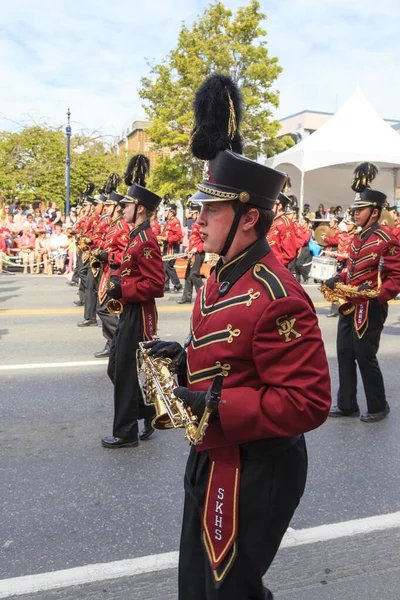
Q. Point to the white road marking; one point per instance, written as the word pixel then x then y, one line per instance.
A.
pixel 30 584
pixel 57 365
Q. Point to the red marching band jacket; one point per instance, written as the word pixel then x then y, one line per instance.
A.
pixel 195 240
pixel 87 231
pixel 99 232
pixel 114 243
pixel 155 227
pixel 282 239
pixel 396 230
pixel 263 337
pixel 142 275
pixel 373 250
pixel 172 230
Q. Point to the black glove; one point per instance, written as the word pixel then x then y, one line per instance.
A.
pixel 103 255
pixel 161 349
pixel 364 287
pixel 114 291
pixel 114 279
pixel 195 400
pixel 330 283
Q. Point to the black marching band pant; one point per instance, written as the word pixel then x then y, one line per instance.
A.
pixel 273 472
pixel 128 399
pixel 352 350
pixel 169 270
pixel 193 277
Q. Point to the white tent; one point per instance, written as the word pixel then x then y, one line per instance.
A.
pixel 320 167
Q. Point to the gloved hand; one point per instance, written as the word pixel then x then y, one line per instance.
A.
pixel 114 279
pixel 163 349
pixel 103 255
pixel 114 290
pixel 330 283
pixel 364 287
pixel 195 400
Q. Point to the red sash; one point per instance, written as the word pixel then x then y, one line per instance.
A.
pixel 149 315
pixel 221 510
pixel 361 318
pixel 102 293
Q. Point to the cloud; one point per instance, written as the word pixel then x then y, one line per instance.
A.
pixel 91 55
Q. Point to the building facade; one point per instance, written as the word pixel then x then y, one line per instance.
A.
pixel 136 140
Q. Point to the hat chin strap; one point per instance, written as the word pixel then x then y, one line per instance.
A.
pixel 232 232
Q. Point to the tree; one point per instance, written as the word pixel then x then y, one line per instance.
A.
pixel 32 164
pixel 219 41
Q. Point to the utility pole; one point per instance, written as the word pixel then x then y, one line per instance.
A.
pixel 68 164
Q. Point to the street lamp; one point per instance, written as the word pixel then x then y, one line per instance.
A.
pixel 68 163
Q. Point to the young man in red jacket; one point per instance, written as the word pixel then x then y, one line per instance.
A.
pixel 253 324
pixel 195 257
pixel 374 254
pixel 136 284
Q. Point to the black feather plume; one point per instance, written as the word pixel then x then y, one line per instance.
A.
pixel 137 170
pixel 111 184
pixel 218 114
pixel 364 173
pixel 89 189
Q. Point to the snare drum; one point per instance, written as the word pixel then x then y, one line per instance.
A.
pixel 323 268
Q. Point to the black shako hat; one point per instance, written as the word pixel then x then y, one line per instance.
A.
pixel 172 207
pixel 235 177
pixel 140 195
pixel 114 198
pixel 284 200
pixel 370 197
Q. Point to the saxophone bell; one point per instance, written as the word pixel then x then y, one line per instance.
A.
pixel 157 384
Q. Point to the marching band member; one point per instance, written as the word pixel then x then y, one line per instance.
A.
pixel 110 255
pixel 172 234
pixel 254 324
pixel 344 240
pixel 195 257
pixel 136 284
pixel 281 236
pixel 374 254
pixel 93 232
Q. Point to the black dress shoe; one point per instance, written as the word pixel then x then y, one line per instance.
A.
pixel 147 430
pixel 102 354
pixel 367 417
pixel 335 411
pixel 177 289
pixel 268 594
pixel 117 442
pixel 78 303
pixel 86 323
pixel 183 301
pixel 72 283
pixel 331 315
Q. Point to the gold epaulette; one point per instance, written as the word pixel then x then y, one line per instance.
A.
pixel 272 283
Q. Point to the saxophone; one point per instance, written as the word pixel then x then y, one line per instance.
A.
pixel 342 293
pixel 157 384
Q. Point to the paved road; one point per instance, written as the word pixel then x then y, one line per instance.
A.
pixel 67 502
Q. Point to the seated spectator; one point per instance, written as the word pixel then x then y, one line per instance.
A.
pixel 19 218
pixel 37 216
pixel 47 224
pixel 3 252
pixel 54 213
pixel 5 211
pixel 26 245
pixel 42 252
pixel 59 247
pixel 30 223
pixel 71 219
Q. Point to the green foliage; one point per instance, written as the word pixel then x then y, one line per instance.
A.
pixel 32 164
pixel 219 41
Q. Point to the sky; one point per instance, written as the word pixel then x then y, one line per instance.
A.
pixel 89 55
